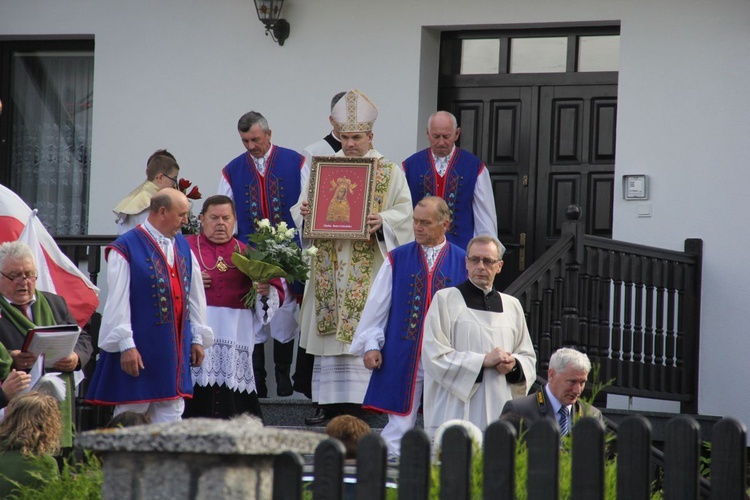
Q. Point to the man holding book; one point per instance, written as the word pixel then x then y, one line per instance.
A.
pixel 23 308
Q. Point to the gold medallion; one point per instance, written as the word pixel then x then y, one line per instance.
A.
pixel 221 265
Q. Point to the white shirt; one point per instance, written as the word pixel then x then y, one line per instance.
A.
pixel 117 330
pixel 555 405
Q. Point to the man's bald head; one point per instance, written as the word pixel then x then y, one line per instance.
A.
pixel 168 211
pixel 442 132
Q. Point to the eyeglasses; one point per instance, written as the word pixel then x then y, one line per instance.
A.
pixel 484 260
pixel 21 277
pixel 173 179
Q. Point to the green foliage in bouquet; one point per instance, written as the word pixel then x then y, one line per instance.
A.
pixel 273 252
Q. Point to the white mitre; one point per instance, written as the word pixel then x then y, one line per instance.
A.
pixel 354 112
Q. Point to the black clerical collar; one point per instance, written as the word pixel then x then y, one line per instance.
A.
pixel 476 298
pixel 333 142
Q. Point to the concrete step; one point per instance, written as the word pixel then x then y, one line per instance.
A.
pixel 292 411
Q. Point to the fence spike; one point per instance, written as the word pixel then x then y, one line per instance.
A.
pixel 414 469
pixel 371 468
pixel 499 460
pixel 728 460
pixel 329 470
pixel 588 459
pixel 681 459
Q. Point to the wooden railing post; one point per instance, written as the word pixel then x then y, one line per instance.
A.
pixel 571 334
pixel 691 322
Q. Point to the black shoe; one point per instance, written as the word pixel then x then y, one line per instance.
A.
pixel 283 382
pixel 320 416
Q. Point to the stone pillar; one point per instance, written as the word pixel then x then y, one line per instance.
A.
pixel 194 459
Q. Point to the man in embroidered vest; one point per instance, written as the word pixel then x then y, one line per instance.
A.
pixel 224 385
pixel 476 349
pixel 558 399
pixel 342 270
pixel 23 307
pixel 153 324
pixel 457 176
pixel 265 182
pixel 329 145
pixel 389 335
pixel 161 171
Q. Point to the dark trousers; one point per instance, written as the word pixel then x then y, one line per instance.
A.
pixel 303 372
pixel 221 402
pixel 282 360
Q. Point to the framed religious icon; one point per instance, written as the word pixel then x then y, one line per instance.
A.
pixel 340 197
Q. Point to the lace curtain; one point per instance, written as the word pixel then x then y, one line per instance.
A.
pixel 52 103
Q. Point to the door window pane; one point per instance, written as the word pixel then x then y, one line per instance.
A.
pixel 51 97
pixel 538 55
pixel 599 53
pixel 480 57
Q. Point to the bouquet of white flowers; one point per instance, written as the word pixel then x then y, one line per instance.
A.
pixel 273 252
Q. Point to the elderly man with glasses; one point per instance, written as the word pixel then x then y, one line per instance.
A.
pixel 476 349
pixel 23 307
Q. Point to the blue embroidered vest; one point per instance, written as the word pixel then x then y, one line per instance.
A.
pixel 268 197
pixel 163 345
pixel 459 183
pixel 391 388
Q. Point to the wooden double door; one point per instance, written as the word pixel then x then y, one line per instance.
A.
pixel 546 147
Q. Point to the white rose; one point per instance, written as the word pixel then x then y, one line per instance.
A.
pixel 290 233
pixel 283 227
pixel 264 223
pixel 311 250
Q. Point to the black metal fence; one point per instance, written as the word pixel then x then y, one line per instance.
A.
pixel 590 455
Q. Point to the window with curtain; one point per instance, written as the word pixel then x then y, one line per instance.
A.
pixel 51 107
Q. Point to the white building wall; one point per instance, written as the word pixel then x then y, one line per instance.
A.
pixel 178 74
pixel 683 120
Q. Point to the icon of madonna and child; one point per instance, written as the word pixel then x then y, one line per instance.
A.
pixel 338 208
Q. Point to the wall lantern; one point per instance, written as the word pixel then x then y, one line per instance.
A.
pixel 268 13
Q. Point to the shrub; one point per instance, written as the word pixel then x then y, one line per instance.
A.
pixel 81 480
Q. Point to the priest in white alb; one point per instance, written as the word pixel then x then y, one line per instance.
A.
pixel 476 349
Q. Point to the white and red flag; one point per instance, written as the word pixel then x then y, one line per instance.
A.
pixel 57 273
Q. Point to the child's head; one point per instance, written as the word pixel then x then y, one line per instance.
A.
pixel 349 430
pixel 128 419
pixel 162 169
